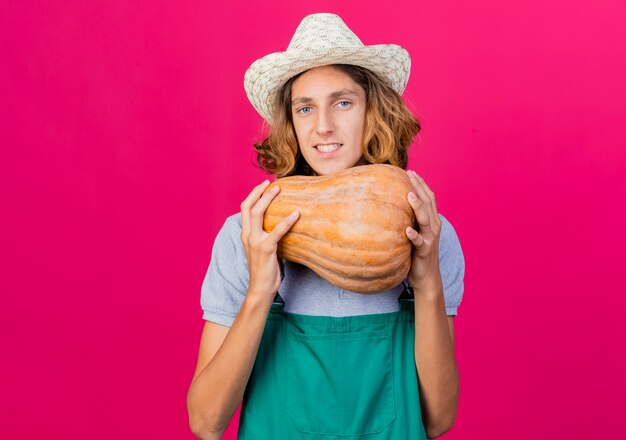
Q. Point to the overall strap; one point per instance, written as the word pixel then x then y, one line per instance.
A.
pixel 278 300
pixel 407 293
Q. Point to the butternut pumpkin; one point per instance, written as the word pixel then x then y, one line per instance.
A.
pixel 351 226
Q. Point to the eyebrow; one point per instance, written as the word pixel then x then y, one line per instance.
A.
pixel 334 95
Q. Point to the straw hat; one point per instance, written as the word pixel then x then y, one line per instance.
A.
pixel 321 39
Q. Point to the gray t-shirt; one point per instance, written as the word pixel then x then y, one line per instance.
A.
pixel 303 291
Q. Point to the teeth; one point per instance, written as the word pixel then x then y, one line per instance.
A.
pixel 328 148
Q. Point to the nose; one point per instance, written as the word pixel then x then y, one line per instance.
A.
pixel 325 123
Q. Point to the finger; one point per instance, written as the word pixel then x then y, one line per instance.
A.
pixel 414 237
pixel 283 227
pixel 431 195
pixel 425 195
pixel 247 204
pixel 421 213
pixel 423 192
pixel 258 210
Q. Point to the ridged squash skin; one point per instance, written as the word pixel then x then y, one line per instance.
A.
pixel 351 229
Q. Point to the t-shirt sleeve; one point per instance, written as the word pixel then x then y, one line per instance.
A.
pixel 451 266
pixel 226 282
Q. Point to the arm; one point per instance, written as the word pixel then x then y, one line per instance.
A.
pixel 434 339
pixel 224 365
pixel 227 356
pixel 435 362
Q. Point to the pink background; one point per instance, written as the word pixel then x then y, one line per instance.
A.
pixel 126 141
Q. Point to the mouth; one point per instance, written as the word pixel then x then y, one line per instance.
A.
pixel 327 148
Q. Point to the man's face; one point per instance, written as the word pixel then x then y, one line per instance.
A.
pixel 328 113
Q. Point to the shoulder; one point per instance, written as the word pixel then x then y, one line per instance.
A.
pixel 230 231
pixel 448 238
pixel 451 266
pixel 227 244
pixel 233 223
pixel 226 280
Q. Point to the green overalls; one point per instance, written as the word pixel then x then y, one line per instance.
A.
pixel 324 377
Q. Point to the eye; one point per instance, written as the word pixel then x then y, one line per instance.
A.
pixel 304 110
pixel 344 104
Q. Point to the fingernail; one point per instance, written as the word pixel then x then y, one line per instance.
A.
pixel 413 197
pixel 410 232
pixel 294 214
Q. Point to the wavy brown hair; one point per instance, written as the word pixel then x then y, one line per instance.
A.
pixel 389 127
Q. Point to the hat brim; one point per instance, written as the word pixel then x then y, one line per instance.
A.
pixel 265 76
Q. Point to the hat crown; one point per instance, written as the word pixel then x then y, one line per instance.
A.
pixel 323 31
pixel 321 39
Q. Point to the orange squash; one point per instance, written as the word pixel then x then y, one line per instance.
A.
pixel 351 229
